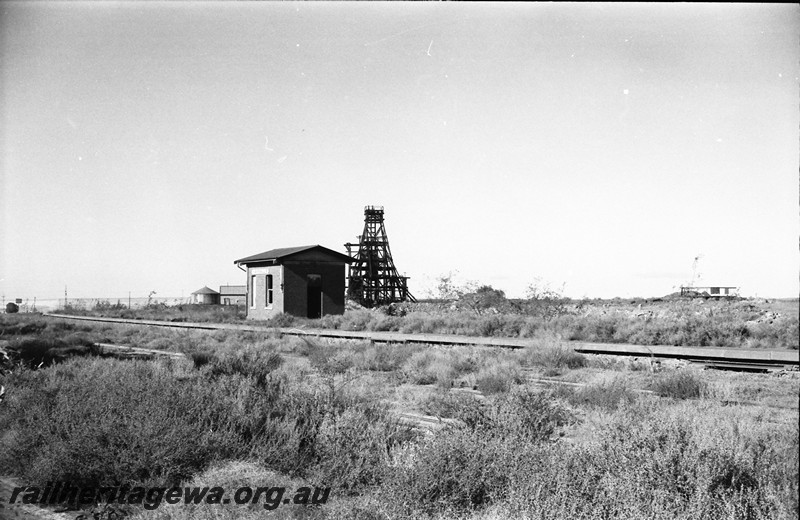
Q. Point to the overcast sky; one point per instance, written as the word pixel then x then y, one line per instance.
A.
pixel 146 146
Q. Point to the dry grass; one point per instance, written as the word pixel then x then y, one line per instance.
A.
pixel 318 416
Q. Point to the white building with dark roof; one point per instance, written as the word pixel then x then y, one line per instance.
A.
pixel 205 296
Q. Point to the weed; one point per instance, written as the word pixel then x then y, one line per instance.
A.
pixel 555 356
pixel 606 396
pixel 681 384
pixel 498 377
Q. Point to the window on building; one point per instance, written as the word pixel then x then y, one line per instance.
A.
pixel 253 291
pixel 269 289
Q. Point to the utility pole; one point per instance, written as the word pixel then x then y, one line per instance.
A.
pixel 129 299
pixel 65 296
pixel 695 274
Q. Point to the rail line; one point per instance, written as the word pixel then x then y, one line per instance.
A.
pixel 713 357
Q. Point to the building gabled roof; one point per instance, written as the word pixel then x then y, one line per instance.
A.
pixel 285 252
pixel 205 290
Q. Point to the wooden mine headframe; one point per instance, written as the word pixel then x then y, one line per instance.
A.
pixel 373 278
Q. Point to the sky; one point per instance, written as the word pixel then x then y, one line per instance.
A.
pixel 597 149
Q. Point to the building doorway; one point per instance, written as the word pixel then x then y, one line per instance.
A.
pixel 314 295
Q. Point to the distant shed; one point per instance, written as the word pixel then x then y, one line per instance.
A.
pixel 233 294
pixel 305 281
pixel 711 291
pixel 205 296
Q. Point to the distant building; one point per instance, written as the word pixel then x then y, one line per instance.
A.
pixel 233 294
pixel 205 296
pixel 710 291
pixel 305 281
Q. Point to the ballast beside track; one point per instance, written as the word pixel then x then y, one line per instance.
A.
pixel 714 357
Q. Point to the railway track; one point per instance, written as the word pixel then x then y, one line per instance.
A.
pixel 759 360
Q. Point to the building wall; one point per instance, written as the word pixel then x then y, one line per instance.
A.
pixel 206 299
pixel 295 291
pixel 290 288
pixel 232 294
pixel 257 307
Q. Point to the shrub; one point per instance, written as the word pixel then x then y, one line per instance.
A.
pixel 42 352
pixel 201 359
pixel 453 472
pixel 664 463
pixel 528 414
pixel 280 320
pixel 681 384
pixel 229 475
pixel 357 320
pixel 20 325
pixel 454 405
pixel 108 422
pixel 353 448
pixel 605 396
pixel 89 422
pixel 555 355
pixel 467 467
pixel 498 377
pixel 328 358
pixel 248 361
pixel 382 357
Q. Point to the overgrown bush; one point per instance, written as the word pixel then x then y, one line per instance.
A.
pixel 553 355
pixel 498 376
pixel 354 448
pixel 470 466
pixel 453 405
pixel 232 475
pixel 438 366
pixel 382 357
pixel 248 361
pixel 680 384
pixel 606 396
pixel 109 422
pixel 16 325
pixel 665 463
pixel 37 352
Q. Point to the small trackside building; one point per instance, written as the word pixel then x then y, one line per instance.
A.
pixel 305 281
pixel 232 294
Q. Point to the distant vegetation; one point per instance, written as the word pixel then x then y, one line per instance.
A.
pixel 485 311
pixel 621 441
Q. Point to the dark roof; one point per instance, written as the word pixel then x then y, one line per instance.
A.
pixel 284 252
pixel 232 289
pixel 205 290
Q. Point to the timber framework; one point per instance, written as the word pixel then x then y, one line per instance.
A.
pixel 373 280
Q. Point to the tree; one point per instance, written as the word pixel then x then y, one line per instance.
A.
pixel 545 302
pixel 484 298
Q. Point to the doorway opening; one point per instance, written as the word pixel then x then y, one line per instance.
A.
pixel 314 295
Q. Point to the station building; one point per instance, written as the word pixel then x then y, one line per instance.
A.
pixel 304 281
